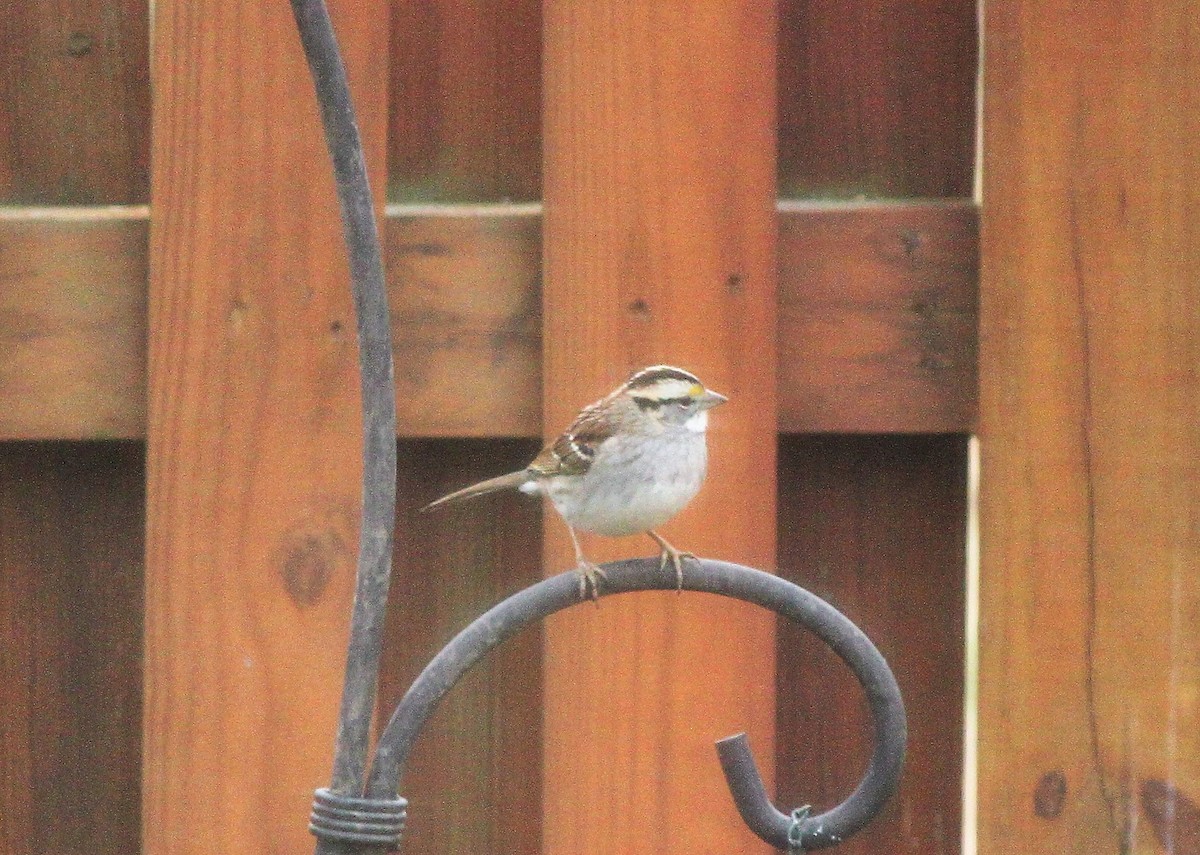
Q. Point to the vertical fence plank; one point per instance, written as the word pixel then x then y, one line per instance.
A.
pixel 877 98
pixel 70 620
pixel 874 524
pixel 474 780
pixel 1090 377
pixel 74 129
pixel 465 101
pixel 74 102
pixel 659 247
pixel 254 431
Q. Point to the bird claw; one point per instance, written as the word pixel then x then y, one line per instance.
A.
pixel 589 580
pixel 670 553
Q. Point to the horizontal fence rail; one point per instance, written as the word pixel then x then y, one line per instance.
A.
pixel 877 320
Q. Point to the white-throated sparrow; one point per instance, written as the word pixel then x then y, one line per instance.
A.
pixel 627 464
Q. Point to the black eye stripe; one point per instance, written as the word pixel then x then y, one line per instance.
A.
pixel 655 403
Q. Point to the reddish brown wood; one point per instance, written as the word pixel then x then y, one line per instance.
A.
pixel 70 624
pixel 254 429
pixel 465 113
pixel 1173 815
pixel 878 318
pixel 74 102
pixel 474 780
pixel 877 323
pixel 877 98
pixel 72 329
pixel 875 525
pixel 466 309
pixel 1090 427
pixel 660 247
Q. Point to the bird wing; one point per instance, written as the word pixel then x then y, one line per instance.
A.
pixel 572 453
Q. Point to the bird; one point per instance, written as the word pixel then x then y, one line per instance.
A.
pixel 628 463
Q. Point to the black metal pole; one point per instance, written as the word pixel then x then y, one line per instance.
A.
pixel 378 394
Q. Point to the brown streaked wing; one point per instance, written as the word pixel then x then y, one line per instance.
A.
pixel 572 452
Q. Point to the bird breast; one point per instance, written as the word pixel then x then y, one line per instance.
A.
pixel 635 483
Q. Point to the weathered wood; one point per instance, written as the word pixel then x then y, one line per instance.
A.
pixel 72 329
pixel 1090 429
pixel 74 102
pixel 876 317
pixel 466 308
pixel 877 98
pixel 70 655
pixel 474 779
pixel 659 247
pixel 465 111
pixel 254 429
pixel 874 524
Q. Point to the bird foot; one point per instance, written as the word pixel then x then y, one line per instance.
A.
pixel 670 553
pixel 589 580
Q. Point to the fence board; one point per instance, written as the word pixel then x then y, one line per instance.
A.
pixel 877 98
pixel 474 781
pixel 875 525
pixel 72 329
pixel 254 430
pixel 466 311
pixel 1089 716
pixel 880 338
pixel 878 319
pixel 74 102
pixel 70 621
pixel 660 248
pixel 465 113
pixel 876 314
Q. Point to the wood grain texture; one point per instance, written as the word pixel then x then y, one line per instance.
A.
pixel 878 319
pixel 660 234
pixel 72 329
pixel 74 102
pixel 466 303
pixel 465 101
pixel 877 98
pixel 874 524
pixel 1090 426
pixel 254 427
pixel 876 323
pixel 474 781
pixel 70 647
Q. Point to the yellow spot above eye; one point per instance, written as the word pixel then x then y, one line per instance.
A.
pixel 696 391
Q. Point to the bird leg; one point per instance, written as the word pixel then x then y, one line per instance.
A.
pixel 589 573
pixel 670 553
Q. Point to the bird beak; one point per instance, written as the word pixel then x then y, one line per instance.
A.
pixel 711 399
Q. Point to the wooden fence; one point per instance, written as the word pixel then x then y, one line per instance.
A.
pixel 199 718
pixel 777 195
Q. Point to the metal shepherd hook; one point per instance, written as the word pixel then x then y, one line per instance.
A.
pixel 358 813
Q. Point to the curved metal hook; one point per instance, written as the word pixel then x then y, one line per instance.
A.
pixel 715 577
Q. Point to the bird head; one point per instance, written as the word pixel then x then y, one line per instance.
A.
pixel 672 396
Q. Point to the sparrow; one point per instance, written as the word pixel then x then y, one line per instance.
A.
pixel 628 463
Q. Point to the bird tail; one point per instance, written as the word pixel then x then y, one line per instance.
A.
pixel 503 482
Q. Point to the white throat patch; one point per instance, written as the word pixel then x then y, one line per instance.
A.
pixel 697 423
